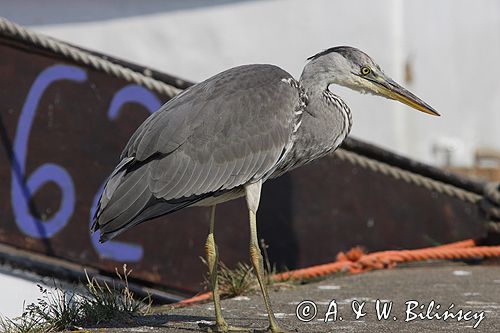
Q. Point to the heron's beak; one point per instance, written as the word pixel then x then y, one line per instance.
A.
pixel 390 89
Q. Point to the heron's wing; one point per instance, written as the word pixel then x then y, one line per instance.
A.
pixel 221 133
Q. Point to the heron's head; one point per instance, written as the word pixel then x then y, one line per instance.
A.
pixel 352 68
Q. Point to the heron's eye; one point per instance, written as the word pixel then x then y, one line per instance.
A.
pixel 365 70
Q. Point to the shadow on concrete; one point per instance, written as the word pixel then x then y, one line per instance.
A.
pixel 175 322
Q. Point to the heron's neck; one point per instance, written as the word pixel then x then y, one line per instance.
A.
pixel 324 123
pixel 327 119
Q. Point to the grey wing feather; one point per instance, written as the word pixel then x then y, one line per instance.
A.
pixel 222 133
pixel 114 181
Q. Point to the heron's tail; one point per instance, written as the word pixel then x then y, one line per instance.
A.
pixel 127 201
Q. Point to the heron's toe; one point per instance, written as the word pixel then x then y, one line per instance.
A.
pixel 222 328
pixel 273 329
pixel 237 329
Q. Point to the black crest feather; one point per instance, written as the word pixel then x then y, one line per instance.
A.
pixel 343 50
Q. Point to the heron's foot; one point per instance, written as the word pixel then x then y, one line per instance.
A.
pixel 222 328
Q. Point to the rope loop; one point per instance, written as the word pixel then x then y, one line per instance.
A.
pixel 493 227
pixel 490 205
pixel 492 192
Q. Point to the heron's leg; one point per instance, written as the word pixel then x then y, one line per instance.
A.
pixel 253 196
pixel 212 262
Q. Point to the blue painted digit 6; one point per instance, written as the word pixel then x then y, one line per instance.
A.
pixel 23 191
pixel 117 250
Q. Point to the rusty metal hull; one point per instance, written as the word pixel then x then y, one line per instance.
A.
pixel 63 126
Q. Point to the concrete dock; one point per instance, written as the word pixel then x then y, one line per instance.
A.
pixel 448 297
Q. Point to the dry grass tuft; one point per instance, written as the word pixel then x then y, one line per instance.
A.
pixel 58 310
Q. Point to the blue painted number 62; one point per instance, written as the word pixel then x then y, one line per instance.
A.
pixel 22 191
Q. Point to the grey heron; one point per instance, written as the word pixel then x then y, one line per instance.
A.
pixel 222 138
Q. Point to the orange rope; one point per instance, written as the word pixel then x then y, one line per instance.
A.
pixel 356 261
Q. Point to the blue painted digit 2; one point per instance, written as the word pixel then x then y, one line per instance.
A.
pixel 116 250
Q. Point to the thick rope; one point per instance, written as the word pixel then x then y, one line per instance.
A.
pixel 493 227
pixel 407 176
pixel 491 204
pixel 77 55
pixel 355 261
